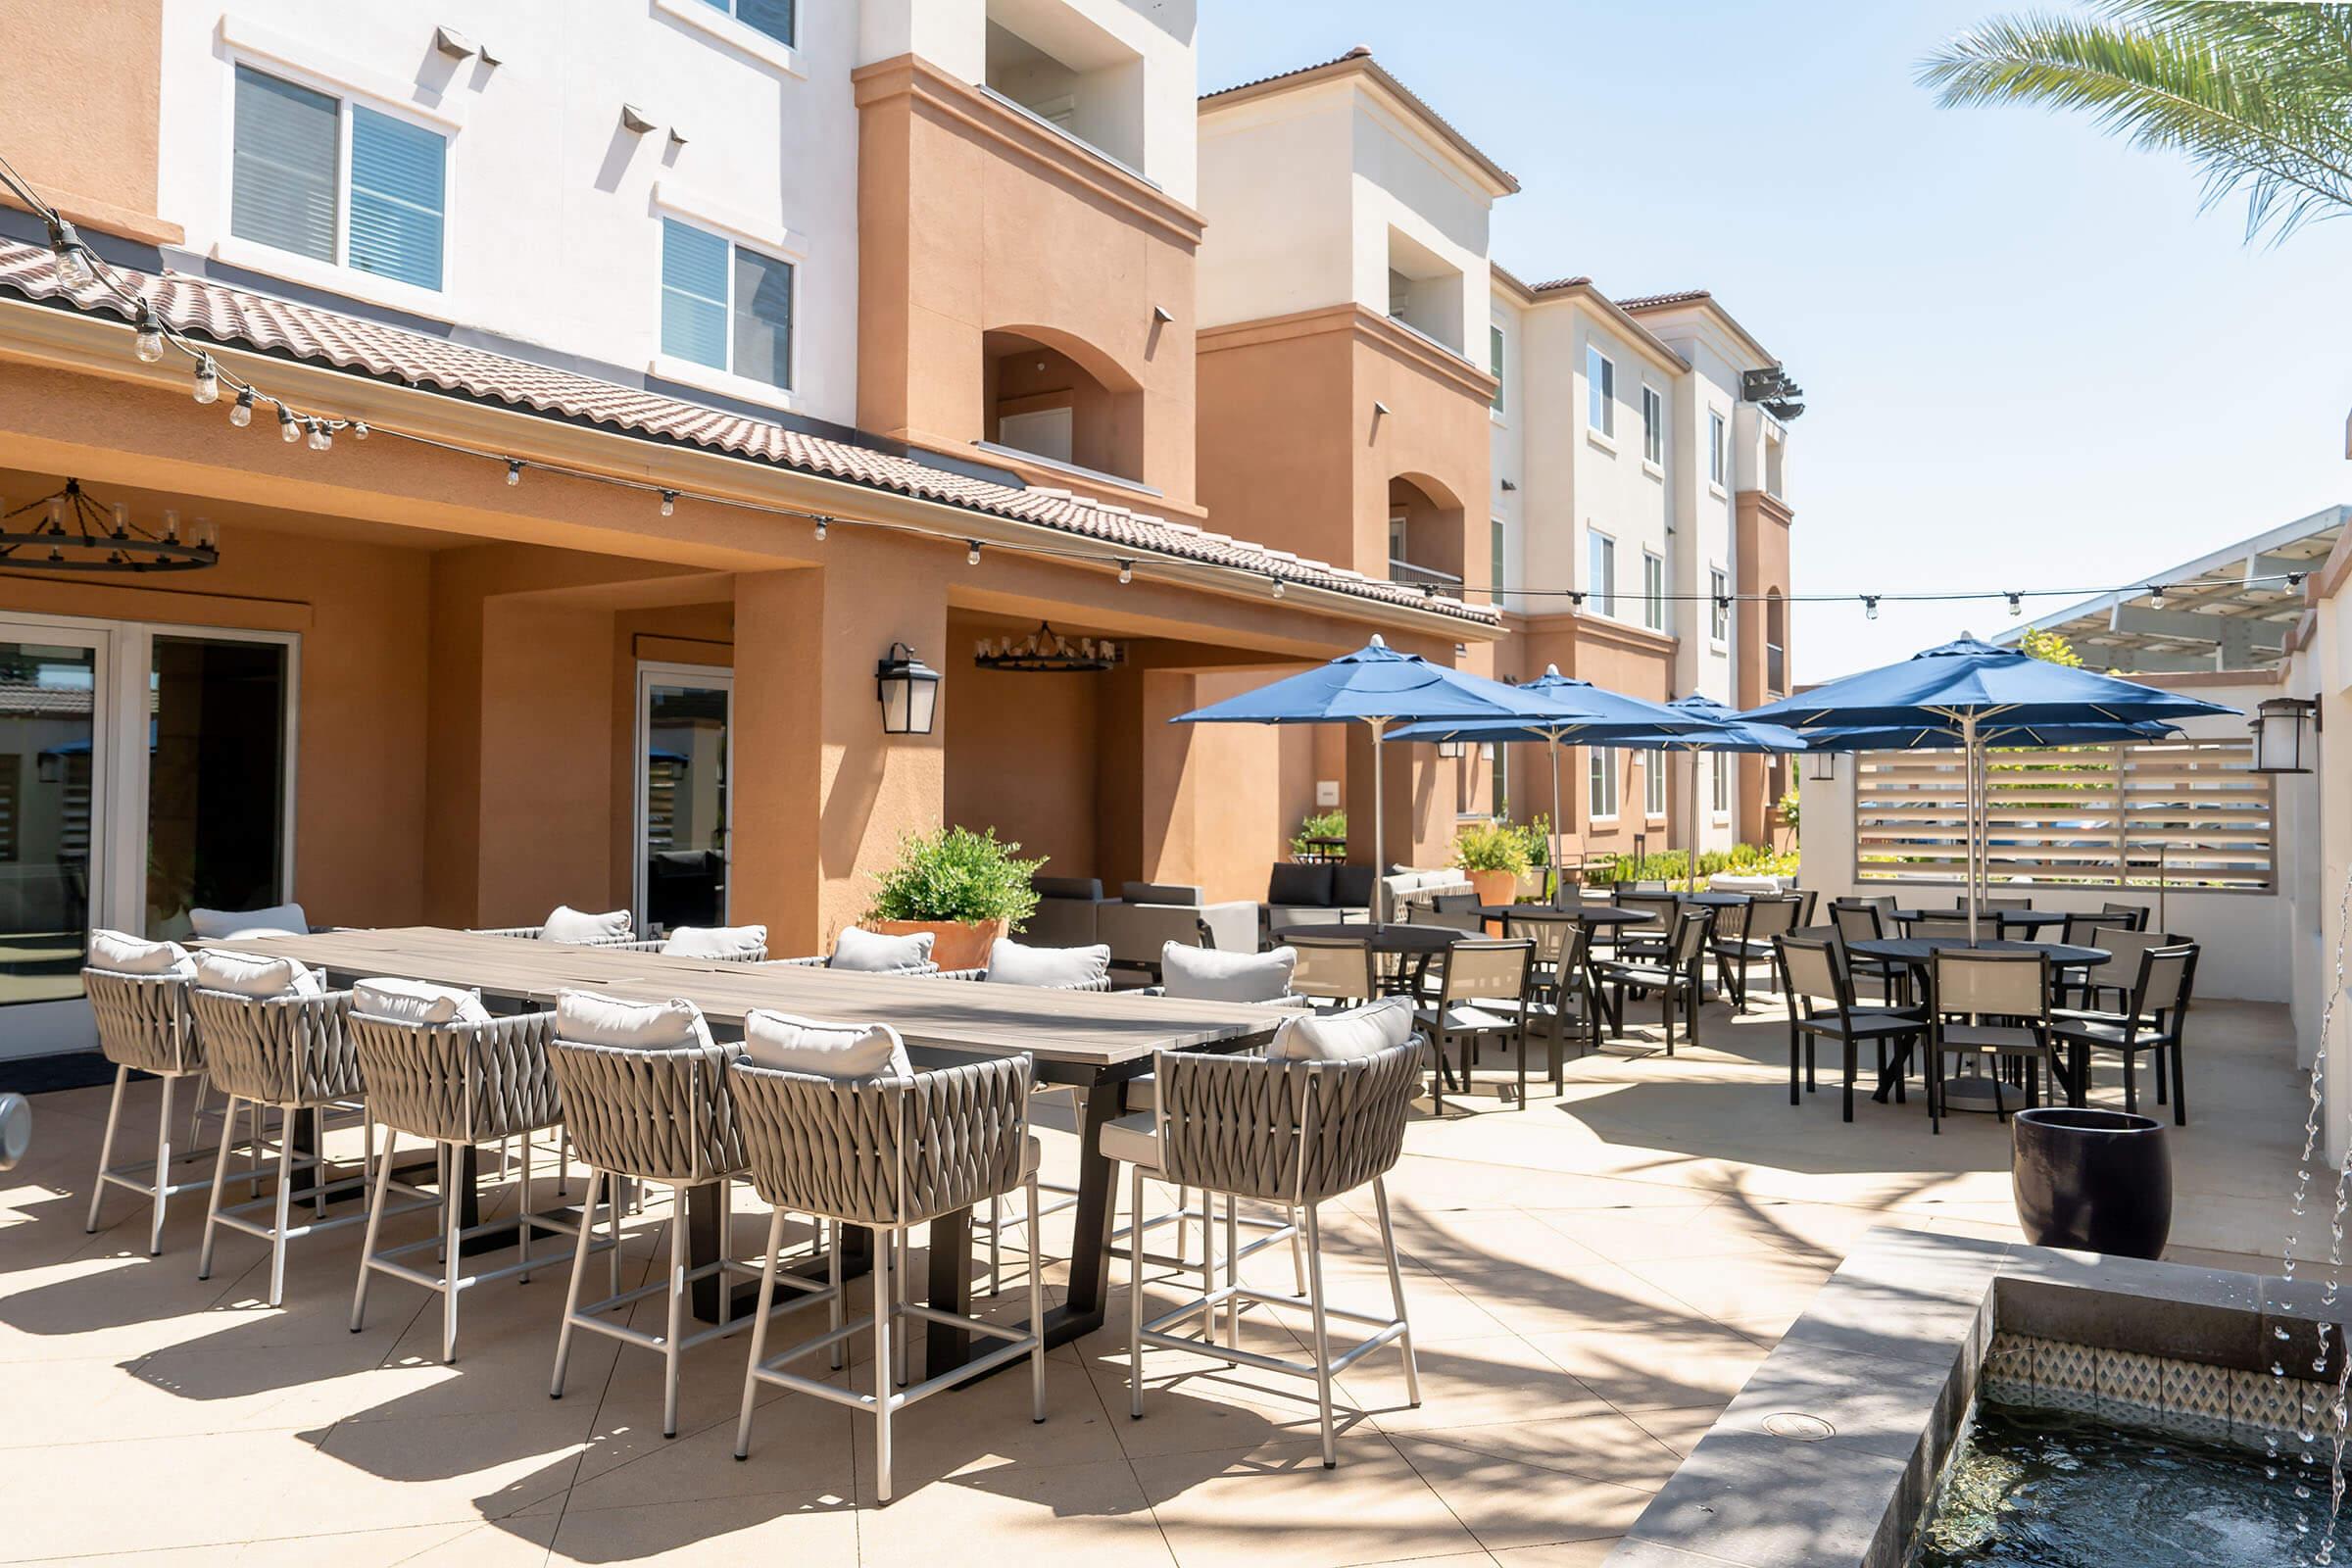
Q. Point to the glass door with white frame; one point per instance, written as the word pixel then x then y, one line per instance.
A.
pixel 52 812
pixel 684 713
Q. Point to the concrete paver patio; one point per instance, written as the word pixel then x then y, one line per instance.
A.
pixel 1590 1280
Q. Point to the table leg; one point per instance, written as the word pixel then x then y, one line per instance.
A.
pixel 703 1244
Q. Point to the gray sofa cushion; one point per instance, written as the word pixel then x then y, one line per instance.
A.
pixel 1351 885
pixel 1067 887
pixel 1159 893
pixel 1293 883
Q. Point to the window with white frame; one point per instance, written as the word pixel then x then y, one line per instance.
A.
pixel 336 181
pixel 1600 784
pixel 725 305
pixel 1601 586
pixel 772 17
pixel 1494 540
pixel 1653 426
pixel 1653 590
pixel 1653 784
pixel 1495 363
pixel 1600 392
pixel 1719 606
pixel 1719 449
pixel 1721 784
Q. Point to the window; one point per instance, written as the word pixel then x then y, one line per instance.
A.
pixel 1600 392
pixel 771 16
pixel 1601 584
pixel 725 305
pixel 1653 590
pixel 1600 784
pixel 1653 426
pixel 1722 783
pixel 1501 799
pixel 1653 784
pixel 1495 363
pixel 291 187
pixel 1494 539
pixel 1719 612
pixel 1719 452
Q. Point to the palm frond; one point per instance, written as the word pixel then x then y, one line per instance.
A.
pixel 2257 96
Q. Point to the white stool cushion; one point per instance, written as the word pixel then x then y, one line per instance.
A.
pixel 865 951
pixel 1206 974
pixel 571 925
pixel 590 1019
pixel 1343 1036
pixel 1011 965
pixel 844 1051
pixel 416 1002
pixel 1133 1138
pixel 129 955
pixel 247 974
pixel 714 941
pixel 278 921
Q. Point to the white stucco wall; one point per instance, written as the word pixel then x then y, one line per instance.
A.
pixel 1508 446
pixel 553 229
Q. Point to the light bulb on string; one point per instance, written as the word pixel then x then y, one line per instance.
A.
pixel 208 380
pixel 1870 607
pixel 971 556
pixel 74 270
pixel 322 437
pixel 359 429
pixel 669 502
pixel 1126 571
pixel 513 471
pixel 1278 587
pixel 820 530
pixel 240 413
pixel 289 428
pixel 2156 596
pixel 148 345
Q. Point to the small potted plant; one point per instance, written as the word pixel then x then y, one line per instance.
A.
pixel 965 888
pixel 1494 853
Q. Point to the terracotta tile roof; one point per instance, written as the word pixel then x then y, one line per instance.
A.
pixel 204 308
pixel 1360 59
pixel 1654 302
pixel 1580 281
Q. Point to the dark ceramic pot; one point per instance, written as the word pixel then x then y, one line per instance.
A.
pixel 2096 1181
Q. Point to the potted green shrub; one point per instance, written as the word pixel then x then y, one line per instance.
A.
pixel 1494 853
pixel 965 888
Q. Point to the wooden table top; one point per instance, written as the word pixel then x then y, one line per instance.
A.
pixel 1083 1027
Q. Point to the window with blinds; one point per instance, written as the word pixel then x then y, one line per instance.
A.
pixel 771 16
pixel 725 306
pixel 2183 814
pixel 291 189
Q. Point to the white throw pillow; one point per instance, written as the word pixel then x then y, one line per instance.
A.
pixel 846 1051
pixel 127 954
pixel 567 924
pixel 416 1002
pixel 248 974
pixel 873 952
pixel 1011 965
pixel 279 920
pixel 589 1019
pixel 716 941
pixel 1342 1036
pixel 1204 974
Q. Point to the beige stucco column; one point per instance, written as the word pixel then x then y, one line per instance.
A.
pixel 821 795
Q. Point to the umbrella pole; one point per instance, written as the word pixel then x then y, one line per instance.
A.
pixel 1380 858
pixel 1968 754
pixel 1559 872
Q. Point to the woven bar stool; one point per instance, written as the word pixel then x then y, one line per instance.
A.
pixel 1321 1114
pixel 439 1066
pixel 275 1037
pixel 138 994
pixel 645 1099
pixel 887 1152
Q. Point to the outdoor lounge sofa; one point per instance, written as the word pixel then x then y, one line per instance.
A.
pixel 1072 912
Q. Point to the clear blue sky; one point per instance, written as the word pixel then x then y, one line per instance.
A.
pixel 2030 360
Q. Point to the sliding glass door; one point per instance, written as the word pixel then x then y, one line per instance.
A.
pixel 684 712
pixel 52 812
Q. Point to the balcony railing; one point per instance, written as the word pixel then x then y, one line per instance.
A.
pixel 1405 571
pixel 1776 670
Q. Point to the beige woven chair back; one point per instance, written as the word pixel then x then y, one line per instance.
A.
pixel 1489 967
pixel 1453 920
pixel 458 1083
pixel 1732 920
pixel 144 1021
pixel 1857 922
pixel 1991 983
pixel 1332 968
pixel 885 1151
pixel 1289 1132
pixel 1812 964
pixel 1771 917
pixel 656 1115
pixel 279 1050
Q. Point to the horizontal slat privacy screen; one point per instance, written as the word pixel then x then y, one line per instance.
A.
pixel 2192 812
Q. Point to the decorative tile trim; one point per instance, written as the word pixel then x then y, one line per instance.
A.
pixel 2184 1399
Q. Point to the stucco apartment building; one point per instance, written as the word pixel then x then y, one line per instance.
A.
pixel 709 354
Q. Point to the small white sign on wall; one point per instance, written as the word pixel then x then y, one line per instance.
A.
pixel 1327 793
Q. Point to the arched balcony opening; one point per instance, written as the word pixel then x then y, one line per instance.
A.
pixel 1425 533
pixel 1051 396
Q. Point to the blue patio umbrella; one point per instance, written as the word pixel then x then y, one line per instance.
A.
pixel 1574 712
pixel 1380 688
pixel 1971 689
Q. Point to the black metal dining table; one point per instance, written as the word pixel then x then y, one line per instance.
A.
pixel 1591 914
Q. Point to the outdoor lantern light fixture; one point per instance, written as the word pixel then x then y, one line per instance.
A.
pixel 75 533
pixel 1045 650
pixel 1450 749
pixel 2277 726
pixel 909 689
pixel 1823 766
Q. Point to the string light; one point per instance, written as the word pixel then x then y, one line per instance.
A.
pixel 359 429
pixel 148 344
pixel 288 428
pixel 669 502
pixel 820 530
pixel 321 438
pixel 513 471
pixel 2016 604
pixel 240 413
pixel 208 380
pixel 1278 587
pixel 971 557
pixel 72 256
pixel 1870 607
pixel 2156 596
pixel 1126 571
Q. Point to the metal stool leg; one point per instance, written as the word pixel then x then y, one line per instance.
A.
pixel 768 1300
pixel 212 1213
pixel 451 1249
pixel 1388 1247
pixel 1315 1296
pixel 1134 1308
pixel 163 1168
pixel 375 1220
pixel 677 1312
pixel 1036 1312
pixel 105 1149
pixel 886 1246
pixel 579 1273
pixel 285 1206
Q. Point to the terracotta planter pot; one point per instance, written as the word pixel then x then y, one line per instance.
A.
pixel 2098 1181
pixel 954 944
pixel 1495 887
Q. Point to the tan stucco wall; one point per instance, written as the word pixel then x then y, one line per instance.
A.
pixel 972 220
pixel 80 97
pixel 1761 527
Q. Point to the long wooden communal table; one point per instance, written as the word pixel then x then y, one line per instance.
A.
pixel 1096 1041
